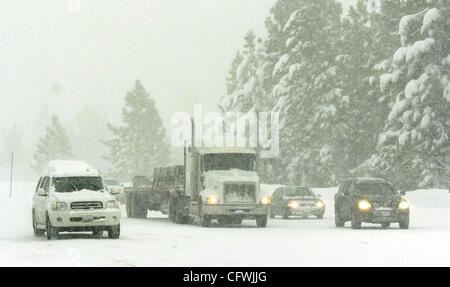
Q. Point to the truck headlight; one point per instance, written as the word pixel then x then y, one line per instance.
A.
pixel 293 204
pixel 212 200
pixel 112 204
pixel 59 206
pixel 265 200
pixel 403 204
pixel 364 205
pixel 320 204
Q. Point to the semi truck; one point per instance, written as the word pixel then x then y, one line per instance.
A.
pixel 213 184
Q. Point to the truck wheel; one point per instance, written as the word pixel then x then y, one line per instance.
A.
pixel 97 233
pixel 286 214
pixel 385 224
pixel 224 220
pixel 205 220
pixel 261 220
pixel 52 232
pixel 237 220
pixel 129 206
pixel 404 224
pixel 271 214
pixel 37 232
pixel 337 219
pixel 356 223
pixel 114 231
pixel 320 216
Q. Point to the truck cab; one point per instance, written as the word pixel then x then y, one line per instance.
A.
pixel 223 184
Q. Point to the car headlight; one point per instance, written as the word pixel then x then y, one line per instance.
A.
pixel 293 204
pixel 212 200
pixel 403 204
pixel 112 204
pixel 265 200
pixel 59 206
pixel 320 204
pixel 364 204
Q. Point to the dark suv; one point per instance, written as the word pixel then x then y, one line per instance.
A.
pixel 372 200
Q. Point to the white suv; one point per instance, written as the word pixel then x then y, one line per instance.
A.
pixel 71 196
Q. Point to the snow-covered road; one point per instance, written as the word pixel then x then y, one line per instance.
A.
pixel 294 242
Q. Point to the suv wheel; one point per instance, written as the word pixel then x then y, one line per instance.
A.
pixel 337 219
pixel 114 231
pixel 356 223
pixel 286 213
pixel 37 232
pixel 404 224
pixel 52 232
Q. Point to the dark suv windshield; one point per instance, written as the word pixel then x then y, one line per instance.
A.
pixel 70 184
pixel 297 191
pixel 375 189
pixel 242 161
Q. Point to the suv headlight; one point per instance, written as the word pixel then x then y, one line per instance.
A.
pixel 59 206
pixel 320 204
pixel 293 204
pixel 403 204
pixel 112 204
pixel 364 205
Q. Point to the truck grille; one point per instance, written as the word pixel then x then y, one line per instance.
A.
pixel 81 205
pixel 239 192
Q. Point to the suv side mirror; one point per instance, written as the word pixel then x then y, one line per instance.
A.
pixel 402 192
pixel 346 192
pixel 41 192
pixel 114 190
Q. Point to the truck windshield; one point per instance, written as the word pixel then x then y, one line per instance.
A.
pixel 375 189
pixel 70 184
pixel 297 191
pixel 220 161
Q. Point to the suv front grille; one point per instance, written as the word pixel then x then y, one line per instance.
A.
pixel 383 204
pixel 82 205
pixel 239 192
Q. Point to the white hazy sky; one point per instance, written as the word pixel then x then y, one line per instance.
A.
pixel 55 61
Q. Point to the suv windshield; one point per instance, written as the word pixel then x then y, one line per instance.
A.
pixel 297 191
pixel 220 161
pixel 70 184
pixel 381 188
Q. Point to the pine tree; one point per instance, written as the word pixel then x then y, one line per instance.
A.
pixel 138 145
pixel 414 147
pixel 53 145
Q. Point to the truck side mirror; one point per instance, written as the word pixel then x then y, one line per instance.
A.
pixel 41 192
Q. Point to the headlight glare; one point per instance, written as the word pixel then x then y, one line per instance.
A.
pixel 293 204
pixel 212 200
pixel 265 200
pixel 403 204
pixel 364 205
pixel 320 203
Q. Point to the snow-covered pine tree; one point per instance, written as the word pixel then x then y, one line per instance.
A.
pixel 54 144
pixel 139 144
pixel 244 85
pixel 307 97
pixel 414 146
